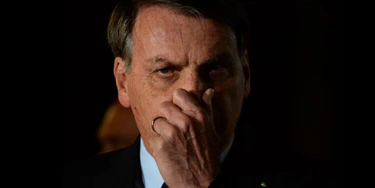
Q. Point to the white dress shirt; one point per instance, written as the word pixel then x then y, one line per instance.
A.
pixel 151 176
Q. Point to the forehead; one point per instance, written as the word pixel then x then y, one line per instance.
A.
pixel 160 29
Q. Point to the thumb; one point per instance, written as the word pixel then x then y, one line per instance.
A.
pixel 207 97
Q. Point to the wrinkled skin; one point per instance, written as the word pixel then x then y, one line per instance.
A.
pixel 179 63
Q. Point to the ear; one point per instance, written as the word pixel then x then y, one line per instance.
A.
pixel 121 82
pixel 246 72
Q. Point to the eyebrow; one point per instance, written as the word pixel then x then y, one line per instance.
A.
pixel 222 57
pixel 161 60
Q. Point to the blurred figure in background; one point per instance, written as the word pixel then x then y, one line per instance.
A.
pixel 118 128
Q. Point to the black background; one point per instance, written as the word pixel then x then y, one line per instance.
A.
pixel 297 68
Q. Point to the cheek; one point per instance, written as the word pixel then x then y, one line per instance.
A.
pixel 227 103
pixel 139 98
pixel 145 100
pixel 231 88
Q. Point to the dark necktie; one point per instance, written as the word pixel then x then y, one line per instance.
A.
pixel 164 185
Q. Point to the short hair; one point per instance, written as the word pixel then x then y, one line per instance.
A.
pixel 123 16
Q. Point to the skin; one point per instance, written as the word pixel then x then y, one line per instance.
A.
pixel 188 72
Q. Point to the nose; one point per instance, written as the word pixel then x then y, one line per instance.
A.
pixel 193 84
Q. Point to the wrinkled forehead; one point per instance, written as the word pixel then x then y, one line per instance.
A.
pixel 167 26
pixel 165 21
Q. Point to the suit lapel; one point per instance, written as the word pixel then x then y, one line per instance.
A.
pixel 126 169
pixel 243 166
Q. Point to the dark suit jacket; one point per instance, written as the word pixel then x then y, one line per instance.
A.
pixel 243 167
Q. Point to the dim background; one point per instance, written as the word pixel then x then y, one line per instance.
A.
pixel 297 75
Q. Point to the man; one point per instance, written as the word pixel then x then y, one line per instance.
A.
pixel 182 67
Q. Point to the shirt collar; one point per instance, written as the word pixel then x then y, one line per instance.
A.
pixel 151 176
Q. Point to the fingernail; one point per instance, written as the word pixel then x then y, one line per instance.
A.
pixel 211 93
pixel 200 86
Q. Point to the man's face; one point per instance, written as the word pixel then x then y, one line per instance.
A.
pixel 171 51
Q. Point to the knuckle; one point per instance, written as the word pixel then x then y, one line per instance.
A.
pixel 164 108
pixel 180 91
pixel 170 132
pixel 185 124
pixel 200 114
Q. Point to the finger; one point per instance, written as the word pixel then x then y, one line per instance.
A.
pixel 189 104
pixel 207 97
pixel 168 132
pixel 159 124
pixel 185 100
pixel 175 116
pixel 164 133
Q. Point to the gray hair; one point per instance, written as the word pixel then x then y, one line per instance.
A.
pixel 123 16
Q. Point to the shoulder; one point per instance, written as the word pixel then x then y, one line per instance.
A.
pixel 99 168
pixel 303 171
pixel 97 162
pixel 278 171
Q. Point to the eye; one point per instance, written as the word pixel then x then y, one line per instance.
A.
pixel 215 67
pixel 217 72
pixel 165 72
